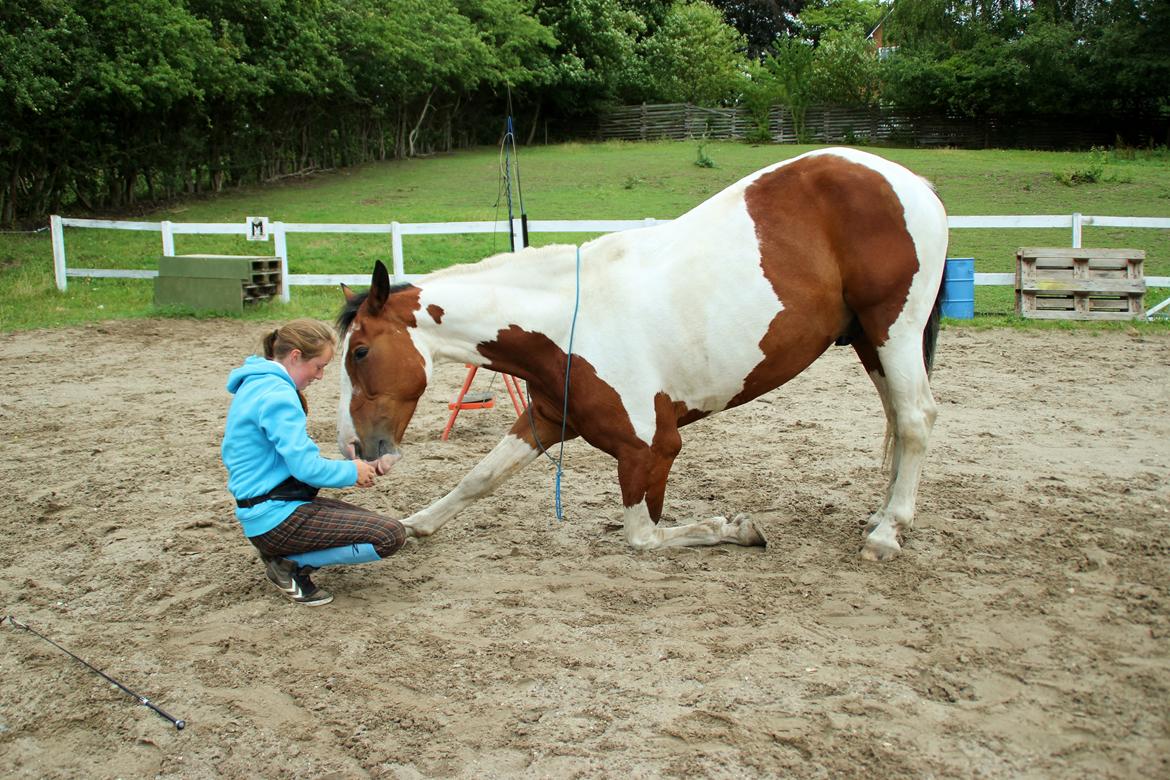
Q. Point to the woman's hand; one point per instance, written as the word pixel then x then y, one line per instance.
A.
pixel 366 474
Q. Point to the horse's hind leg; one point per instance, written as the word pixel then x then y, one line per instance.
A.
pixel 899 373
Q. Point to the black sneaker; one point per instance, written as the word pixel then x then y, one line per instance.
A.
pixel 295 584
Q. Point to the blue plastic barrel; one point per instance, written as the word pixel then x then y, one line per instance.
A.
pixel 958 298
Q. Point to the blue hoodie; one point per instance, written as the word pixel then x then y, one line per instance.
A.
pixel 265 441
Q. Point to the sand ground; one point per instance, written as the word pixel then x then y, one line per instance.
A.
pixel 1024 632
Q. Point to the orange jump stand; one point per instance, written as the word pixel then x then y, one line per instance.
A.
pixel 466 400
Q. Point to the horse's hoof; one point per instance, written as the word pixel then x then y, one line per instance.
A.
pixel 744 532
pixel 879 552
pixel 881 544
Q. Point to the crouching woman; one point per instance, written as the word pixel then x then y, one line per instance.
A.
pixel 275 469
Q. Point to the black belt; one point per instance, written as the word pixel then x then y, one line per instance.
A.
pixel 292 489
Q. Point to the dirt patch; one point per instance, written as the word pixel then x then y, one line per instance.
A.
pixel 1024 633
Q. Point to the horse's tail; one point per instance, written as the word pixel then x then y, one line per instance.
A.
pixel 930 332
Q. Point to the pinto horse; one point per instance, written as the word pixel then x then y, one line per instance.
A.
pixel 675 322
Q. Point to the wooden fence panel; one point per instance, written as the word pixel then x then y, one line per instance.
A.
pixel 834 124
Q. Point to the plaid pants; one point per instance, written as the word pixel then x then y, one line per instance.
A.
pixel 326 522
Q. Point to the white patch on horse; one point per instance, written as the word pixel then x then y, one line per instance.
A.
pixel 347 437
pixel 696 342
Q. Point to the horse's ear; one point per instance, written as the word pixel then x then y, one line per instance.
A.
pixel 349 294
pixel 379 287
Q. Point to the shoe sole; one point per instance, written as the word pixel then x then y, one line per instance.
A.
pixel 315 602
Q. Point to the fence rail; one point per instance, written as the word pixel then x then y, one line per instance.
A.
pixel 396 230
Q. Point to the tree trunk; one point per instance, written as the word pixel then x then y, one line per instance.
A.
pixel 535 124
pixel 9 214
pixel 400 139
pixel 418 125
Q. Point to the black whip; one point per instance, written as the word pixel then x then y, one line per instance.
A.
pixel 178 724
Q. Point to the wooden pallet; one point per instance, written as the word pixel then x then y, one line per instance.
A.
pixel 1080 284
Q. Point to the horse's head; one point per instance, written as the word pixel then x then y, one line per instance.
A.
pixel 387 371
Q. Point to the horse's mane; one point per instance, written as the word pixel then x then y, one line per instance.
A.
pixel 349 311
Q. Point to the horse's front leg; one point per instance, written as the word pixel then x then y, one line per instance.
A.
pixel 643 474
pixel 515 451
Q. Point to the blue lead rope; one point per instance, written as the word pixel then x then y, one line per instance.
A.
pixel 568 367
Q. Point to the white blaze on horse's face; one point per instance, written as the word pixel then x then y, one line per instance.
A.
pixel 346 435
pixel 387 373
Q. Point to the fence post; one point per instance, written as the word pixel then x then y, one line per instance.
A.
pixel 517 229
pixel 1076 230
pixel 168 238
pixel 396 260
pixel 280 246
pixel 58 234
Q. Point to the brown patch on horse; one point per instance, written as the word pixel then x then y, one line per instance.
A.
pixel 593 402
pixel 665 448
pixel 404 304
pixel 436 313
pixel 834 246
pixel 402 299
pixel 596 411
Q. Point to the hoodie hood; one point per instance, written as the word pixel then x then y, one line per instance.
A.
pixel 265 442
pixel 256 366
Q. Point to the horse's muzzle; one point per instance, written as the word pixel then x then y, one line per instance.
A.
pixel 376 449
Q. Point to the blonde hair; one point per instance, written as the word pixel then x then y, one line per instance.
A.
pixel 310 336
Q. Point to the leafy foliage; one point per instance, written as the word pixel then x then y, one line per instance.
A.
pixel 694 57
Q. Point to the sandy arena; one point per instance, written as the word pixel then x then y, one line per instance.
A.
pixel 1025 632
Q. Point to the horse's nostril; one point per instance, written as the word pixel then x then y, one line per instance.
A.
pixel 357 449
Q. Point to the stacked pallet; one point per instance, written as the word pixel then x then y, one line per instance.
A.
pixel 225 283
pixel 1080 284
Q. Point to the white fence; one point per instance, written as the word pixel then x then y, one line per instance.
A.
pixel 396 230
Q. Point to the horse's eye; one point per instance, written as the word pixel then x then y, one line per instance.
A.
pixel 360 353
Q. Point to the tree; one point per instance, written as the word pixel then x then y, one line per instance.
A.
pixel 821 17
pixel 785 76
pixel 694 57
pixel 763 23
pixel 42 41
pixel 845 69
pixel 595 59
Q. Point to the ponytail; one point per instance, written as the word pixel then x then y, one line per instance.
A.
pixel 269 344
pixel 310 336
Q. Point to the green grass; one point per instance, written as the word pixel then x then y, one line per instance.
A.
pixel 569 181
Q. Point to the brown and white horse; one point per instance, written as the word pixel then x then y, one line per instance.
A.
pixel 676 322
